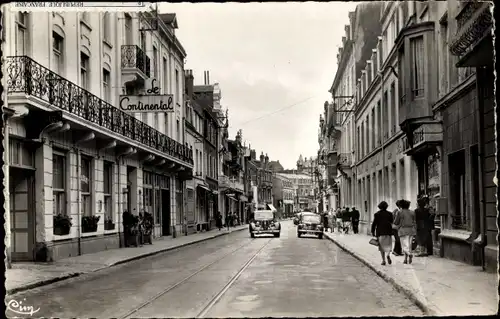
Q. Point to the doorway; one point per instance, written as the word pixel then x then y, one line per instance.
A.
pixel 165 212
pixel 22 213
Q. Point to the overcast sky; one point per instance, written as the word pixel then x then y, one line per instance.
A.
pixel 266 58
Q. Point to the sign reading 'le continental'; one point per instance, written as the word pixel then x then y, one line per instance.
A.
pixel 148 103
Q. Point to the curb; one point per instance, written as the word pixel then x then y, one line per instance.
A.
pixel 400 288
pixel 76 274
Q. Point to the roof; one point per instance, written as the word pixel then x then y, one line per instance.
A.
pixel 169 19
pixel 293 176
pixel 203 88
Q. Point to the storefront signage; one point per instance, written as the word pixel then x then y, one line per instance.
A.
pixel 151 102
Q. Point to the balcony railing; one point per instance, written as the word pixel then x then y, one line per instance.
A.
pixel 134 58
pixel 24 75
pixel 231 182
pixel 473 22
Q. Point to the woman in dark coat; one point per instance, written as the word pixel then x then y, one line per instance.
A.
pixel 382 229
pixel 218 221
pixel 422 217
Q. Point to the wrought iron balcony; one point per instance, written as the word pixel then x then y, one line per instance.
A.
pixel 24 75
pixel 134 58
pixel 474 22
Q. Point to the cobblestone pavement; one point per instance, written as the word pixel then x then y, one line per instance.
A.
pixel 289 276
pixel 443 287
pixel 24 276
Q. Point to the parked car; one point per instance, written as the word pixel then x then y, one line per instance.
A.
pixel 310 224
pixel 264 222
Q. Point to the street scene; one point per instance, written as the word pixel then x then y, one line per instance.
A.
pixel 289 276
pixel 324 159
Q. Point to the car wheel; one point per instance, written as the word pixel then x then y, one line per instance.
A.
pixel 277 235
pixel 298 235
pixel 320 236
pixel 252 235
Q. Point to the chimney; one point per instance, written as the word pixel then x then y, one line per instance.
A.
pixel 262 157
pixel 189 83
pixel 206 78
pixel 267 159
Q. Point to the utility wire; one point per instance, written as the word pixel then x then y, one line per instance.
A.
pixel 278 110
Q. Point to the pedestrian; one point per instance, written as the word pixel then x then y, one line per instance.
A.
pixel 127 225
pixel 406 224
pixel 148 228
pixel 228 219
pixel 338 220
pixel 397 245
pixel 346 219
pixel 218 221
pixel 424 227
pixel 325 222
pixel 140 228
pixel 355 220
pixel 382 229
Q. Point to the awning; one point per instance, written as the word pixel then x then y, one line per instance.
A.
pixel 232 197
pixel 271 207
pixel 203 187
pixel 243 198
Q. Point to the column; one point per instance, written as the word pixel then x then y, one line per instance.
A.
pixel 408 181
pixel 43 194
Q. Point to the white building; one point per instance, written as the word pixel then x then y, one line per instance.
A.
pixel 76 153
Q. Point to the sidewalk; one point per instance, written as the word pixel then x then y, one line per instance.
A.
pixel 24 276
pixel 439 286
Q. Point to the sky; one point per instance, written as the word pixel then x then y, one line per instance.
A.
pixel 274 62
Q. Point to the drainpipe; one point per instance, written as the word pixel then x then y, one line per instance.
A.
pixel 480 242
pixel 8 260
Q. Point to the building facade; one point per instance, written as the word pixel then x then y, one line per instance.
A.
pixel 197 217
pixel 204 96
pixel 424 124
pixel 78 154
pixel 231 181
pixel 260 180
pixel 467 205
pixel 283 195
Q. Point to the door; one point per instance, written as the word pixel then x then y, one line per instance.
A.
pixel 22 216
pixel 165 212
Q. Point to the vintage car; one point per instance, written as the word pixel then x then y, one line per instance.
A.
pixel 310 224
pixel 264 222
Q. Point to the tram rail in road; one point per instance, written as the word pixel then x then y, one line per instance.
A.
pixel 213 301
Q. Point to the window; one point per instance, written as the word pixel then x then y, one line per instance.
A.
pixel 21 33
pixel 457 185
pixel 385 116
pixel 402 179
pixel 85 17
pixel 177 94
pixel 108 190
pixel 475 199
pixel 374 142
pixel 106 87
pixel 57 53
pixel 128 29
pixel 155 62
pixel 179 202
pixel 85 186
pixel 148 193
pixel 401 77
pixel 368 135
pixel 444 57
pixel 84 71
pixel 165 76
pixel 106 27
pixel 417 66
pixel 178 131
pixel 143 41
pixel 394 109
pixel 59 183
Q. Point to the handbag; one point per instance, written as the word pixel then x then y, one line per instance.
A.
pixel 374 241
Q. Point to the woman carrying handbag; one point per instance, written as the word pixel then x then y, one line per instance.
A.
pixel 406 224
pixel 382 229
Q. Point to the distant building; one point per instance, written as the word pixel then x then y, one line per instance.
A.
pixel 275 166
pixel 283 193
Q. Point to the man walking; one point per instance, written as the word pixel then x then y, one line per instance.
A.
pixel 346 220
pixel 355 220
pixel 397 251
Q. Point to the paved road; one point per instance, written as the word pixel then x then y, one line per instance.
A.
pixel 287 276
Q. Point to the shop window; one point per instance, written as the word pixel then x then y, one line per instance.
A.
pixel 456 163
pixel 107 191
pixel 59 183
pixel 475 172
pixel 85 185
